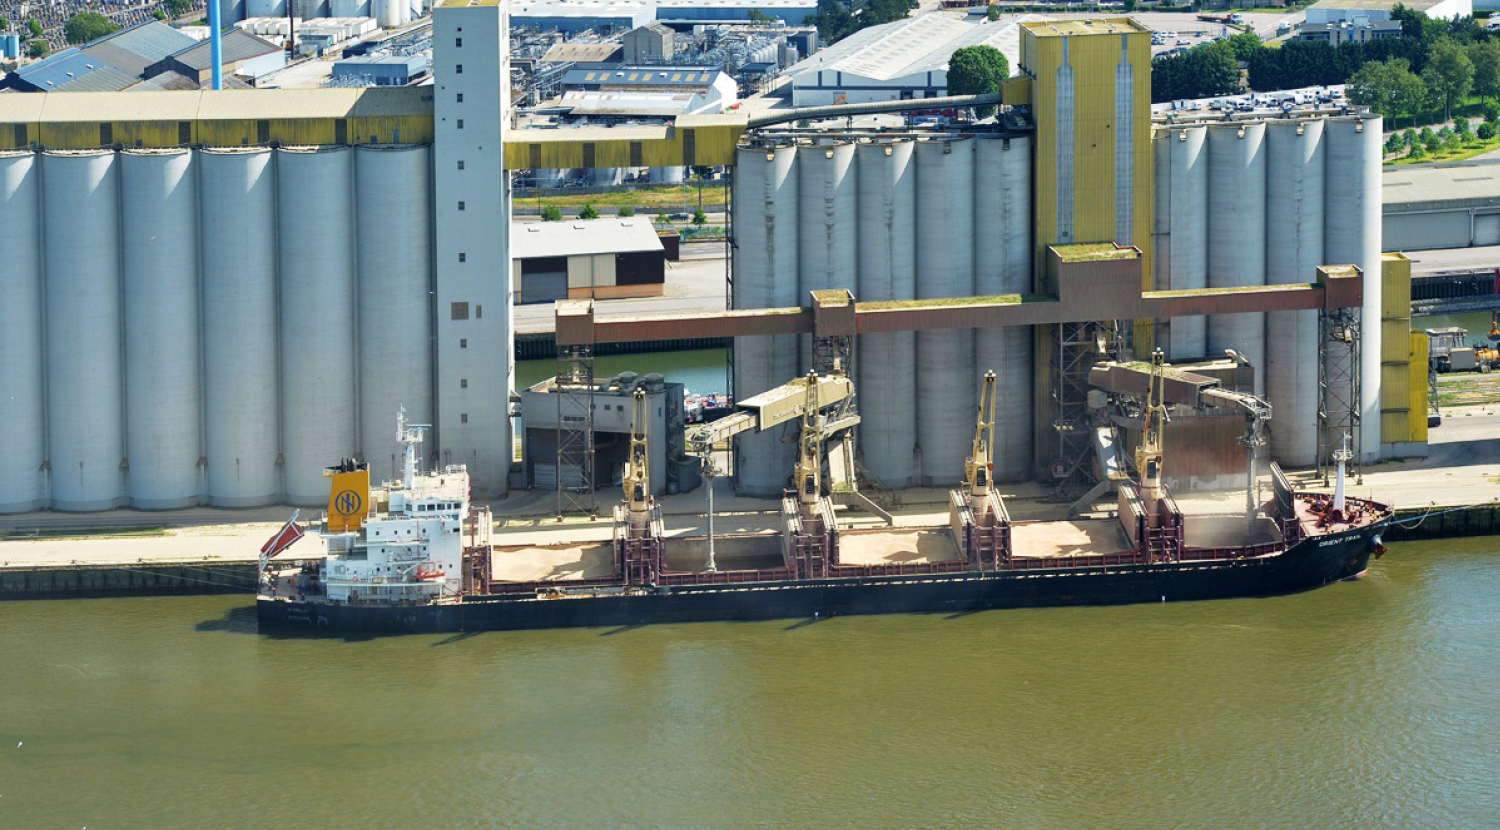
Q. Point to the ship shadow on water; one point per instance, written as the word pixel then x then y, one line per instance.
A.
pixel 243 620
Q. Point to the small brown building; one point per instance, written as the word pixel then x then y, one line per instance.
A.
pixel 577 259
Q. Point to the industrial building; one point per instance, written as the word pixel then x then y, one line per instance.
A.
pixel 1441 206
pixel 1359 12
pixel 334 258
pixel 897 61
pixel 581 259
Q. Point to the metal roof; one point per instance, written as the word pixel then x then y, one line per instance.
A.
pixel 690 77
pixel 237 45
pixel 1051 27
pixel 578 237
pixel 73 69
pixel 582 53
pixel 248 104
pixel 1375 5
pixel 1418 187
pixel 913 46
pixel 150 42
pixel 578 8
pixel 176 81
pixel 602 102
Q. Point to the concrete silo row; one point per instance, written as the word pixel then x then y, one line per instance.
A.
pixel 1280 198
pixel 891 221
pixel 164 355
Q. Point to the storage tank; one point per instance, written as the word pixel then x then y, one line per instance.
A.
pixel 1352 236
pixel 1237 233
pixel 81 256
pixel 945 268
pixel 671 174
pixel 886 364
pixel 159 257
pixel 1294 250
pixel 21 403
pixel 1002 265
pixel 826 243
pixel 395 313
pixel 315 201
pixel 241 393
pixel 606 176
pixel 765 271
pixel 1186 193
pixel 266 8
pixel 389 13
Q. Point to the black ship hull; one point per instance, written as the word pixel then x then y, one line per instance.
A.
pixel 1311 563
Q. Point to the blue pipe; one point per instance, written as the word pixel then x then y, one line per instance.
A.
pixel 215 48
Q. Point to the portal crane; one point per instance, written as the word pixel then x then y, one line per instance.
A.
pixel 980 467
pixel 637 483
pixel 809 476
pixel 1148 456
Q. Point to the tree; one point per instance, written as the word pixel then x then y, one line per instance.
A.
pixel 833 20
pixel 1245 45
pixel 588 212
pixel 1448 75
pixel 86 26
pixel 1388 88
pixel 551 213
pixel 178 8
pixel 1409 138
pixel 1491 112
pixel 992 12
pixel 4 24
pixel 1486 131
pixel 1129 6
pixel 626 212
pixel 977 70
pixel 1393 144
pixel 884 11
pixel 1486 59
pixel 700 218
pixel 33 27
pixel 38 49
pixel 1463 128
pixel 1200 72
pixel 758 16
pixel 159 14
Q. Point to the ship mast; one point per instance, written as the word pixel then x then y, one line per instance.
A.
pixel 980 466
pixel 409 436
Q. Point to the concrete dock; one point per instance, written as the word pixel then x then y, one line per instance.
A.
pixel 200 550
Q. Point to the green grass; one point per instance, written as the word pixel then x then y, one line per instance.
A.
pixel 674 197
pixel 1465 150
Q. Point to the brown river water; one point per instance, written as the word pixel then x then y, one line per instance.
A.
pixel 1366 704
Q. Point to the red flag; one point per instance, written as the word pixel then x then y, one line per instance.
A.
pixel 284 538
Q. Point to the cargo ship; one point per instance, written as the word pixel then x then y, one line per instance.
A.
pixel 415 556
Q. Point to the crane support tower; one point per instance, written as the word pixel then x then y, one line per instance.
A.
pixel 976 514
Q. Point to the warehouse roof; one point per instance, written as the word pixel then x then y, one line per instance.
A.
pixel 1375 5
pixel 912 46
pixel 580 237
pixel 237 45
pixel 1435 186
pixel 687 77
pixel 615 103
pixel 575 8
pixel 582 53
pixel 1051 27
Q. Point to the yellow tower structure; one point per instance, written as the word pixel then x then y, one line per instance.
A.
pixel 1091 97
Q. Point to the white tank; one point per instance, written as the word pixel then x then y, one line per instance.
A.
pixel 1294 250
pixel 672 174
pixel 315 201
pixel 81 255
pixel 606 176
pixel 389 13
pixel 765 271
pixel 1186 257
pixel 1002 265
pixel 886 364
pixel 266 8
pixel 826 243
pixel 1352 236
pixel 344 9
pixel 945 268
pixel 160 268
pixel 241 395
pixel 22 409
pixel 395 315
pixel 1237 233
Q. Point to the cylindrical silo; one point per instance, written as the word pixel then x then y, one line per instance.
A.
pixel 81 255
pixel 1002 265
pixel 21 404
pixel 1353 237
pixel 159 250
pixel 765 276
pixel 945 268
pixel 827 181
pixel 395 317
pixel 1187 255
pixel 241 394
pixel 1294 250
pixel 1237 234
pixel 886 365
pixel 606 176
pixel 315 203
pixel 671 174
